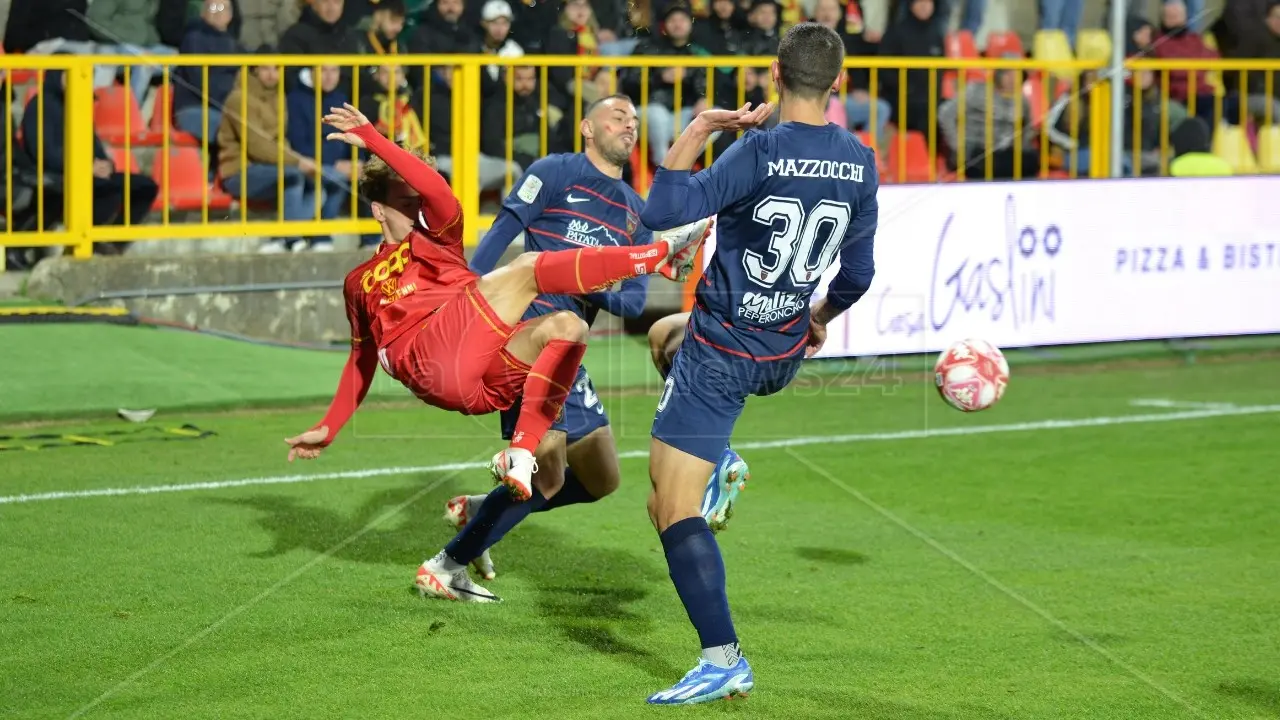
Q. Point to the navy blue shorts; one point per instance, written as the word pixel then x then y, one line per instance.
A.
pixel 705 393
pixel 583 412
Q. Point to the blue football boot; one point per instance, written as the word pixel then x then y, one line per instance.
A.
pixel 708 682
pixel 726 481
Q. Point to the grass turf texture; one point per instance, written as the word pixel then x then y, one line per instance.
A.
pixel 1151 546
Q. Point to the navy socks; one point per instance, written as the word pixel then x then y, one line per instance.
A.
pixel 497 515
pixel 571 493
pixel 697 570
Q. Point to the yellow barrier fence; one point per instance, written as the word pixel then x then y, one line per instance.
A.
pixel 1012 118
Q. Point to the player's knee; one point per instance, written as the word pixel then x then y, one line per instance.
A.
pixel 564 325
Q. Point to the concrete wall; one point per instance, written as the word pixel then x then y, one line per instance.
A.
pixel 303 316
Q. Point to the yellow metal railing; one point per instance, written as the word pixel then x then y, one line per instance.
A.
pixel 1051 109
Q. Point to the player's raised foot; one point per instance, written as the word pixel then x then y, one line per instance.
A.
pixel 437 581
pixel 682 248
pixel 726 481
pixel 513 468
pixel 457 513
pixel 708 682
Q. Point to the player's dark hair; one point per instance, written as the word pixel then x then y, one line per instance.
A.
pixel 810 58
pixel 596 105
pixel 376 176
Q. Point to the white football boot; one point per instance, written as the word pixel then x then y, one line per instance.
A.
pixel 514 469
pixel 682 248
pixel 457 513
pixel 437 581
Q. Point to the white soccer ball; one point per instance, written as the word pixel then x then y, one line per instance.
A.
pixel 971 375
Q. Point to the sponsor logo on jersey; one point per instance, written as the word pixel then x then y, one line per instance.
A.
pixel 392 291
pixel 768 308
pixel 582 232
pixel 790 167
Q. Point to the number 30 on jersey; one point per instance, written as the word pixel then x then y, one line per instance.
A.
pixel 792 248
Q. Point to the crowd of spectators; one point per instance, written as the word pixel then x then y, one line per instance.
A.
pixel 417 101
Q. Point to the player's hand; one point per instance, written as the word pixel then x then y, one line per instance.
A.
pixel 817 336
pixel 744 118
pixel 346 119
pixel 308 445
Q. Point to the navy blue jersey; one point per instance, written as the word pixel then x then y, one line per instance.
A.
pixel 789 200
pixel 564 202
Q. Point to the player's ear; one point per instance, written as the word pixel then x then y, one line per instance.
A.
pixel 585 128
pixel 775 75
pixel 379 212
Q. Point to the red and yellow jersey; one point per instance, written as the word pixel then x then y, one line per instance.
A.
pixel 399 287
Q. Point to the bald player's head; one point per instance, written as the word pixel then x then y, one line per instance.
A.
pixel 609 127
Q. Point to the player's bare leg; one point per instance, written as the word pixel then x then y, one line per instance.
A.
pixel 594 460
pixel 729 477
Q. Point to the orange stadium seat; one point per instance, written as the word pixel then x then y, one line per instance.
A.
pixel 114 108
pixel 912 163
pixel 125 161
pixel 163 113
pixel 960 44
pixel 1003 43
pixel 188 179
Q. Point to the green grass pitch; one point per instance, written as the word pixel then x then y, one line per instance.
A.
pixel 1069 554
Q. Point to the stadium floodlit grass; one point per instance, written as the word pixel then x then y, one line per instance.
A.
pixel 1040 570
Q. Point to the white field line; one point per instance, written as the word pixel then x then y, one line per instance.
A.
pixel 1034 426
pixel 1179 404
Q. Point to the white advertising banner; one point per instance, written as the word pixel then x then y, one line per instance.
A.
pixel 1050 263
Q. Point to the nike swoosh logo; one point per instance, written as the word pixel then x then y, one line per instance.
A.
pixel 473 593
pixel 572 199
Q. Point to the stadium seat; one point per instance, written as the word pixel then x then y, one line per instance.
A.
pixel 865 138
pixel 114 108
pixel 163 113
pixel 188 179
pixel 909 161
pixel 1004 43
pixel 1052 46
pixel 1093 44
pixel 1232 144
pixel 1033 91
pixel 1210 41
pixel 1269 149
pixel 125 162
pixel 960 44
pixel 19 76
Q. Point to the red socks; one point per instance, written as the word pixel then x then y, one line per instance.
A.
pixel 578 272
pixel 546 387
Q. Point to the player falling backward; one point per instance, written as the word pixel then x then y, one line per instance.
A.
pixel 455 338
pixel 787 200
pixel 562 202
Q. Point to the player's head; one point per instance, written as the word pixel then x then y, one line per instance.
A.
pixel 810 59
pixel 395 205
pixel 609 127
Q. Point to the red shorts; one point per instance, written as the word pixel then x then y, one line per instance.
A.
pixel 459 361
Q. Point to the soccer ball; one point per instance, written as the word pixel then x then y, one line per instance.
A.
pixel 971 375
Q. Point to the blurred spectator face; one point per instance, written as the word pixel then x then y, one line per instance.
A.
pixel 497 30
pixel 723 9
pixel 327 10
pixel 678 26
pixel 577 12
pixel 450 10
pixel 268 75
pixel 1006 81
pixel 1142 36
pixel 613 129
pixel 329 77
pixel 764 16
pixel 443 74
pixel 217 13
pixel 389 24
pixel 922 9
pixel 388 76
pixel 1173 14
pixel 828 12
pixel 1273 20
pixel 525 81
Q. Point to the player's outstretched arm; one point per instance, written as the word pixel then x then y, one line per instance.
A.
pixel 625 302
pixel 353 386
pixel 355 129
pixel 676 198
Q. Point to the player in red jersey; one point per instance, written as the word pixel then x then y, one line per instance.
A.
pixel 453 337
